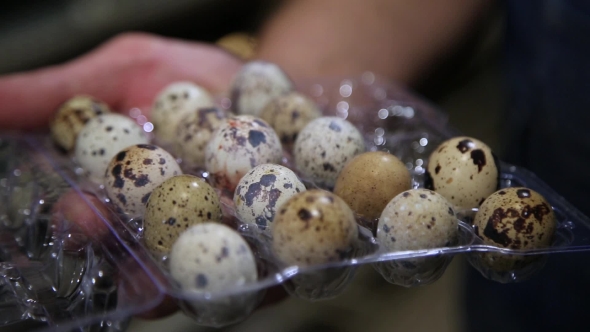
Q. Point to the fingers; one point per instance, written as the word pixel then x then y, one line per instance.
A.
pixel 125 72
pixel 27 100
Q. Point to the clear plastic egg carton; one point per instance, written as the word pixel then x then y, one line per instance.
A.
pixel 87 269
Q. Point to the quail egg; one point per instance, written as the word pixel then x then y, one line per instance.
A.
pixel 101 138
pixel 72 116
pixel 134 172
pixel 314 227
pixel 211 257
pixel 464 171
pixel 262 192
pixel 238 145
pixel 288 114
pixel 193 133
pixel 415 219
pixel 514 218
pixel 171 104
pixel 177 203
pixel 370 180
pixel 256 84
pixel 324 146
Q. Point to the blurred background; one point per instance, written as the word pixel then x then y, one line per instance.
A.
pixel 36 33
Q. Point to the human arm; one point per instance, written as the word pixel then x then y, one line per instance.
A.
pixel 397 39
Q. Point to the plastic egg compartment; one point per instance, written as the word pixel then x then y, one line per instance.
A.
pixel 390 119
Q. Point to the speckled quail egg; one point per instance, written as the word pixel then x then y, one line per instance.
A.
pixel 288 114
pixel 416 219
pixel 211 257
pixel 464 171
pixel 262 192
pixel 193 133
pixel 101 138
pixel 514 218
pixel 370 180
pixel 238 145
pixel 256 84
pixel 134 172
pixel 324 146
pixel 72 116
pixel 171 104
pixel 314 227
pixel 177 203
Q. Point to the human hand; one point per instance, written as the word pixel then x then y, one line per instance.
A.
pixel 125 72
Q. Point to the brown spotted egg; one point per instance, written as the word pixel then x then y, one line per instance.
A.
pixel 176 204
pixel 514 218
pixel 71 118
pixel 324 146
pixel 211 257
pixel 262 192
pixel 288 114
pixel 314 227
pixel 134 172
pixel 371 180
pixel 101 138
pixel 238 145
pixel 171 104
pixel 256 84
pixel 464 171
pixel 193 133
pixel 413 220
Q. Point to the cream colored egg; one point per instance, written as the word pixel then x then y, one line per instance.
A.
pixel 211 257
pixel 103 137
pixel 257 83
pixel 464 171
pixel 288 114
pixel 172 104
pixel 324 146
pixel 416 219
pixel 193 133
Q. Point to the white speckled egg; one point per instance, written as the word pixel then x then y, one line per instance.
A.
pixel 256 84
pixel 101 138
pixel 314 227
pixel 413 220
pixel 179 202
pixel 237 146
pixel 324 146
pixel 417 219
pixel 171 104
pixel 134 172
pixel 288 114
pixel 514 218
pixel 262 192
pixel 211 257
pixel 193 133
pixel 72 116
pixel 464 171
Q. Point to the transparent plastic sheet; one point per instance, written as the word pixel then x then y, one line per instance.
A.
pixel 55 271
